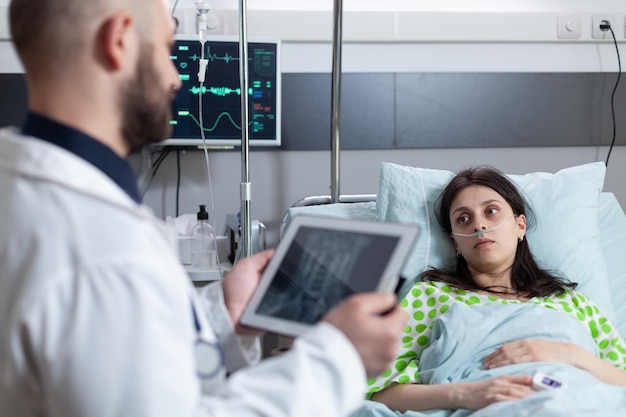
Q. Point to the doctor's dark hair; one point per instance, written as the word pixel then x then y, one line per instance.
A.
pixel 528 279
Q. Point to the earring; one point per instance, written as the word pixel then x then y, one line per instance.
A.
pixel 521 238
pixel 458 254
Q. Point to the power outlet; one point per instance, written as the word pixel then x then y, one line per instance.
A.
pixel 596 32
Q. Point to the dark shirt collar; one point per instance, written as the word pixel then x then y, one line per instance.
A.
pixel 86 147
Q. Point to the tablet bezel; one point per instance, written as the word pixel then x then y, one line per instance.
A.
pixel 388 282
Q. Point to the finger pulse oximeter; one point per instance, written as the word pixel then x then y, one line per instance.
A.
pixel 542 381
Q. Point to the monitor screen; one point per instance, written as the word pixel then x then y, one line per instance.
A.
pixel 221 93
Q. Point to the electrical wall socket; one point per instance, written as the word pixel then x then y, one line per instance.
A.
pixel 596 32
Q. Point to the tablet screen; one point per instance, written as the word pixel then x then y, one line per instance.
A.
pixel 319 262
pixel 322 267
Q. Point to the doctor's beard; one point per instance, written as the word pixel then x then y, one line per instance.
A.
pixel 146 109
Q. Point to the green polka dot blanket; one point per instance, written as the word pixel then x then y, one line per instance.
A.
pixel 428 301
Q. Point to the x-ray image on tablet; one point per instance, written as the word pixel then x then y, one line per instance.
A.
pixel 320 262
pixel 321 268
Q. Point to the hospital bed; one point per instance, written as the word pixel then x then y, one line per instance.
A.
pixel 578 224
pixel 580 233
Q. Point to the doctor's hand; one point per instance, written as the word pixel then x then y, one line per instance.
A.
pixel 239 284
pixel 373 322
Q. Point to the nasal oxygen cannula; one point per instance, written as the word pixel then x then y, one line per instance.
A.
pixel 480 233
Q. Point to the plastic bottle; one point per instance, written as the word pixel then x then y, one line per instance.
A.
pixel 203 242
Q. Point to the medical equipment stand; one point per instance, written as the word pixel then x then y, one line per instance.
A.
pixel 336 101
pixel 246 186
pixel 335 196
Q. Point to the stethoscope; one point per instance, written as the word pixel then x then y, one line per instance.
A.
pixel 209 355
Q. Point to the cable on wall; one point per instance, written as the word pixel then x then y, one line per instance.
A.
pixel 177 180
pixel 605 25
pixel 155 168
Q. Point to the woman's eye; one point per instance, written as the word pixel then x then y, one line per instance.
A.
pixel 492 210
pixel 462 219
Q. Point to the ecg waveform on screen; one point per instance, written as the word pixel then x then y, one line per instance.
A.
pixel 217 120
pixel 218 91
pixel 227 58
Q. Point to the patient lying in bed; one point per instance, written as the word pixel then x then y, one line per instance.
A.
pixel 478 333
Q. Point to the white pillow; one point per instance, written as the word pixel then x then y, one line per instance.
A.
pixel 613 243
pixel 565 239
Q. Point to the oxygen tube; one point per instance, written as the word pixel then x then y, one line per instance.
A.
pixel 481 233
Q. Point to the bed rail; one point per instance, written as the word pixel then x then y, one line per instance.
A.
pixel 317 200
pixel 320 200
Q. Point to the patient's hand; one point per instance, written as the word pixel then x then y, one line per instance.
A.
pixel 538 350
pixel 533 350
pixel 456 395
pixel 477 395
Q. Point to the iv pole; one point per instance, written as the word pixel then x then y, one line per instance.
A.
pixel 245 187
pixel 335 196
pixel 336 102
pixel 203 7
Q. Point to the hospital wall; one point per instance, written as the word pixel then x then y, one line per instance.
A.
pixel 379 37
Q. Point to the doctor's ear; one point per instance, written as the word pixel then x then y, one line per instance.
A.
pixel 115 40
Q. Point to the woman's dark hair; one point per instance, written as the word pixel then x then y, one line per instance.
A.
pixel 526 276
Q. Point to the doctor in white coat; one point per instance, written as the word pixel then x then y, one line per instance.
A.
pixel 97 318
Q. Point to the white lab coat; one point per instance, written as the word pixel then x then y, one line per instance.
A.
pixel 96 317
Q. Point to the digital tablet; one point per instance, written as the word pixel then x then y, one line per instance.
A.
pixel 319 262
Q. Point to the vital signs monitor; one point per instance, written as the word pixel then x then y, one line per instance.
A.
pixel 221 92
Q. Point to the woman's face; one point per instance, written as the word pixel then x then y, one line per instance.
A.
pixel 477 208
